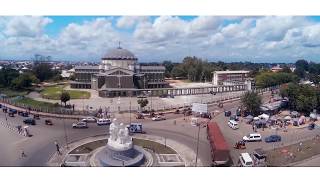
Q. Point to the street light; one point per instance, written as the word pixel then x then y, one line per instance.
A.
pixel 65 132
pixel 150 95
pixel 130 110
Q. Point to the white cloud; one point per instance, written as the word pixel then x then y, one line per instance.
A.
pixel 217 39
pixel 238 30
pixel 26 26
pixel 91 37
pixel 164 28
pixel 205 23
pixel 274 28
pixel 165 37
pixel 130 21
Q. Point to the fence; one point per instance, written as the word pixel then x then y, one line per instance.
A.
pixel 127 108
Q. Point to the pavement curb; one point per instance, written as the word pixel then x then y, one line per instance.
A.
pixel 183 151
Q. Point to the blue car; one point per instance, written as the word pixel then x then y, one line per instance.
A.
pixel 14 111
pixel 272 138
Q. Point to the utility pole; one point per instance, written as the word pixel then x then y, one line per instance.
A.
pixel 130 110
pixel 150 94
pixel 65 132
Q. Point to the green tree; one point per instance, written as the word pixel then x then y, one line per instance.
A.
pixel 251 101
pixel 303 98
pixel 65 97
pixel 178 71
pixel 43 71
pixel 169 66
pixel 267 78
pixel 142 102
pixel 302 64
pixel 301 73
pixel 7 75
pixel 286 69
pixel 24 81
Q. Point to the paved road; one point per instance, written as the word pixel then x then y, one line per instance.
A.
pixel 156 103
pixel 314 162
pixel 40 146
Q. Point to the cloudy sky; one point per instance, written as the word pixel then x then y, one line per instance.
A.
pixel 157 38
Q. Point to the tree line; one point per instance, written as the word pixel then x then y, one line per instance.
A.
pixel 308 70
pixel 303 98
pixel 199 70
pixel 13 79
pixel 268 78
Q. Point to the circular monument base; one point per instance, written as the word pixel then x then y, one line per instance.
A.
pixel 111 157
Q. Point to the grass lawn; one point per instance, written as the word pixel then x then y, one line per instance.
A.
pixel 13 93
pixel 34 103
pixel 156 147
pixel 186 81
pixel 54 92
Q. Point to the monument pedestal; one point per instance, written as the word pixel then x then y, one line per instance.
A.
pixel 114 158
pixel 120 150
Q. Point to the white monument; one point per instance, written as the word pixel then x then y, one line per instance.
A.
pixel 120 150
pixel 119 136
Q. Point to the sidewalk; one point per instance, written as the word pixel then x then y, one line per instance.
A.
pixel 43 113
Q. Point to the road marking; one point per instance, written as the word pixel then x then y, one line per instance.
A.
pixel 13 129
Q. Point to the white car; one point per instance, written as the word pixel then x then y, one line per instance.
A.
pixel 252 137
pixel 245 160
pixel 79 125
pixel 101 122
pixel 89 119
pixel 158 118
pixel 233 124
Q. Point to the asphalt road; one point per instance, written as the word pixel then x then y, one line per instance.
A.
pixel 41 146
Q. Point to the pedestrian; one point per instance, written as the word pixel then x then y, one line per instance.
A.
pixel 252 127
pixel 23 154
pixel 58 147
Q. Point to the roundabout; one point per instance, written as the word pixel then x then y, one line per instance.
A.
pixel 94 152
pixel 118 149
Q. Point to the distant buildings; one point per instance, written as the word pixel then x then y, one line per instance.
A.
pixel 229 77
pixel 118 74
pixel 276 68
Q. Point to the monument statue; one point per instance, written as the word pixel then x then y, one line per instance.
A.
pixel 120 150
pixel 119 136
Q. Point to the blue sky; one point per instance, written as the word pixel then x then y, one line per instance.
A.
pixel 158 38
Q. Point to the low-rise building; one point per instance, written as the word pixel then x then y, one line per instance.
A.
pixel 276 68
pixel 229 77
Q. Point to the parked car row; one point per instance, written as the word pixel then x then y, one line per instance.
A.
pixel 257 158
pixel 257 137
pixel 32 121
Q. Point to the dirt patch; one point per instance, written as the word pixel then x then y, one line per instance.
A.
pixel 294 153
pixel 153 146
pixel 87 148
